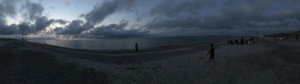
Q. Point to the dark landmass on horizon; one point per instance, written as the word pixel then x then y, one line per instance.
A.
pixel 284 34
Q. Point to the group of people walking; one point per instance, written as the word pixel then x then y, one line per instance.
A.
pixel 244 40
pixel 282 38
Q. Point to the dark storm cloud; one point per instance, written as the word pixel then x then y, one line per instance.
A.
pixel 180 21
pixel 2 21
pixel 259 10
pixel 40 24
pixel 8 30
pixel 24 28
pixel 116 30
pixel 97 15
pixel 75 27
pixel 33 10
pixel 58 29
pixel 27 28
pixel 100 12
pixel 181 16
pixel 172 8
pixel 259 13
pixel 242 15
pixel 282 15
pixel 139 16
pixel 43 22
pixel 7 8
pixel 33 13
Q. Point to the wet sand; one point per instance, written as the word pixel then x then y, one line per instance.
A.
pixel 265 62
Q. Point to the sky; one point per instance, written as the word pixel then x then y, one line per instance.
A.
pixel 98 19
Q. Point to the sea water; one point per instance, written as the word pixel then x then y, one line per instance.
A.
pixel 129 43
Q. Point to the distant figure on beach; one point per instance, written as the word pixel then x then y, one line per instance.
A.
pixel 244 38
pixel 242 41
pixel 236 41
pixel 296 37
pixel 231 42
pixel 212 54
pixel 253 40
pixel 136 47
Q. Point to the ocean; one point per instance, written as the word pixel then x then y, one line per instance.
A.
pixel 129 43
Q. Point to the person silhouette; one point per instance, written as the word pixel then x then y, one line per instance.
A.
pixel 296 37
pixel 232 42
pixel 236 41
pixel 211 52
pixel 136 47
pixel 242 41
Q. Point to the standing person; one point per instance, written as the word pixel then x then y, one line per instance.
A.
pixel 242 41
pixel 136 47
pixel 236 41
pixel 212 54
pixel 297 37
pixel 253 40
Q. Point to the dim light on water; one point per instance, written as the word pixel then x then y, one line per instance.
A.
pixel 129 43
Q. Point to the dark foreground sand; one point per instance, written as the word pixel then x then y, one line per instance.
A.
pixel 265 62
pixel 20 64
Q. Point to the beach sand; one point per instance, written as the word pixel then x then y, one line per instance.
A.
pixel 266 62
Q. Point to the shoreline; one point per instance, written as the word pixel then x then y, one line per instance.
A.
pixel 124 51
pixel 125 57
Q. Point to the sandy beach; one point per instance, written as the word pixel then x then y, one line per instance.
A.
pixel 266 62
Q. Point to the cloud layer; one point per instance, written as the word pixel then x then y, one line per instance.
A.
pixel 116 30
pixel 101 11
pixel 32 11
pixel 96 16
pixel 246 15
pixel 168 17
